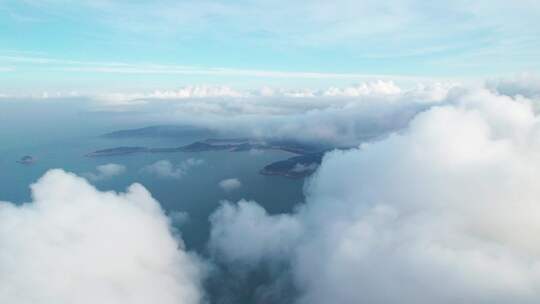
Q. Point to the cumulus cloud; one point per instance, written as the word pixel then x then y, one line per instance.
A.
pixel 104 172
pixel 335 116
pixel 230 184
pixel 192 91
pixel 199 92
pixel 75 244
pixel 166 169
pixel 453 198
pixel 378 87
pixel 267 235
pixel 344 116
pixel 527 85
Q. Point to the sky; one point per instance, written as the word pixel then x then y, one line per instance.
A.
pixel 102 45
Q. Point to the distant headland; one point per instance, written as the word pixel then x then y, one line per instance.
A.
pixel 309 156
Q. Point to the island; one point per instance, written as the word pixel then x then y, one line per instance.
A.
pixel 27 160
pixel 308 155
pixel 215 144
pixel 295 167
pixel 164 131
pixel 117 151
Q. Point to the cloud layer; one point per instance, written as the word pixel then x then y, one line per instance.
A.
pixel 444 211
pixel 335 116
pixel 75 244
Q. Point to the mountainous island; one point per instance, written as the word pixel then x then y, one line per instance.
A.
pixel 170 131
pixel 309 156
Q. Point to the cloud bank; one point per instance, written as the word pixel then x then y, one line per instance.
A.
pixel 447 210
pixel 75 244
pixel 334 116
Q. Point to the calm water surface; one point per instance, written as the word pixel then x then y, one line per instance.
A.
pixel 59 136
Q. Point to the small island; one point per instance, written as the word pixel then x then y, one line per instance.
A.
pixel 117 151
pixel 295 167
pixel 27 160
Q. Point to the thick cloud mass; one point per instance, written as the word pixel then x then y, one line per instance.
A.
pixel 75 244
pixel 446 211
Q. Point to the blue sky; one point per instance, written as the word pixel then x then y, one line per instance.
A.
pixel 110 45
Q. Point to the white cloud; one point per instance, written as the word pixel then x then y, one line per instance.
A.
pixel 378 87
pixel 104 172
pixel 230 184
pixel 338 116
pixel 199 92
pixel 166 169
pixel 453 198
pixel 299 168
pixel 75 244
pixel 527 85
pixel 268 236
pixel 187 92
pixel 374 88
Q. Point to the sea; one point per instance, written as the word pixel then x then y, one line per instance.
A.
pixel 59 134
